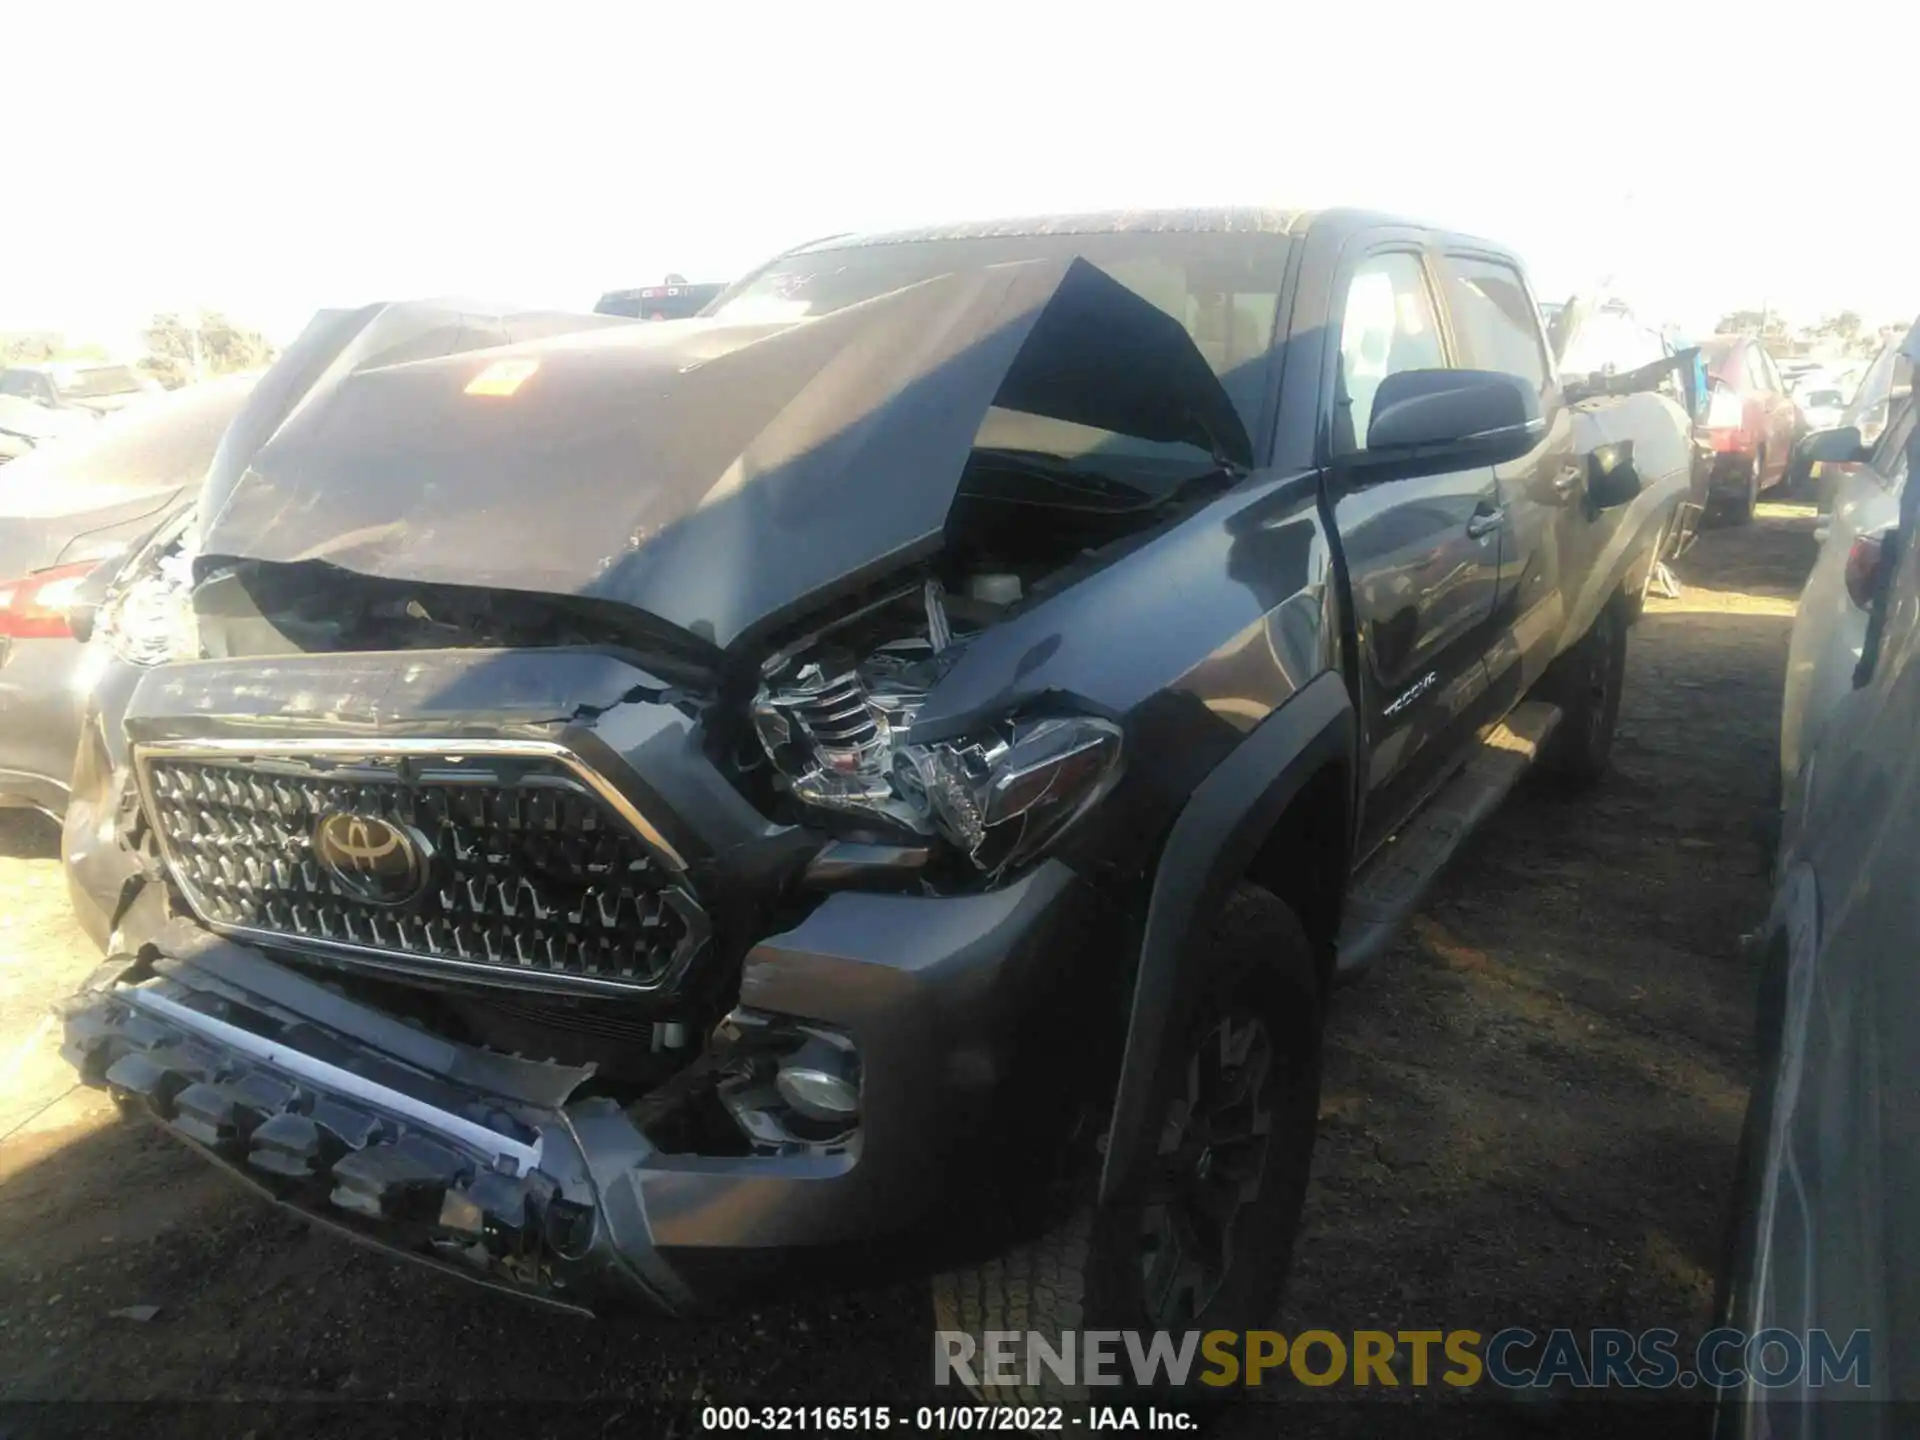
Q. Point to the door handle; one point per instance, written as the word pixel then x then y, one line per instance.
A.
pixel 1484 522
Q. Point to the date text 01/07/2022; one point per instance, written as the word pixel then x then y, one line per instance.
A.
pixel 933 1419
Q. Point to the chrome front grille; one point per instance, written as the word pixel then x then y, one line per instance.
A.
pixel 531 869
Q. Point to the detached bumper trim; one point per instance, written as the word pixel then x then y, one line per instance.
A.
pixel 299 1066
pixel 297 1105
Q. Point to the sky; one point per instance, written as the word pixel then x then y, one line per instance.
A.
pixel 268 159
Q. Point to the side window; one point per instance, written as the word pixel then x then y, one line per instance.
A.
pixel 1387 326
pixel 1494 316
pixel 13 382
pixel 1890 451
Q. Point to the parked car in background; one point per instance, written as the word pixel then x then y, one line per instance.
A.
pixel 1603 339
pixel 675 300
pixel 64 510
pixel 1821 1237
pixel 1793 372
pixel 1001 644
pixel 1750 424
pixel 24 426
pixel 1881 388
pixel 1830 625
pixel 1602 348
pixel 74 385
pixel 1821 402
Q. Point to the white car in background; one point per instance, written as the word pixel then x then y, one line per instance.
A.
pixel 1830 626
pixel 1822 400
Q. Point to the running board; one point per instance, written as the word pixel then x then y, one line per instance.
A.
pixel 1389 889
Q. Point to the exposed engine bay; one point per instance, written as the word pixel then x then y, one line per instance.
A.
pixel 834 717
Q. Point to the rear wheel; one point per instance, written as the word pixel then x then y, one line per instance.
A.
pixel 1740 508
pixel 1586 683
pixel 1201 1239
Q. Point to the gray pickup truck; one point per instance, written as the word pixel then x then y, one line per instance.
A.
pixel 884 774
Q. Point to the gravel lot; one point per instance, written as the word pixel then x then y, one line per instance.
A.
pixel 1530 1119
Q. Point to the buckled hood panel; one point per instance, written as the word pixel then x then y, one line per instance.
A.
pixel 717 476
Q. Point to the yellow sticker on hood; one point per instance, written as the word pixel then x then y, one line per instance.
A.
pixel 502 377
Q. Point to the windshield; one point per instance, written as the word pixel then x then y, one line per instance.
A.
pixel 100 380
pixel 1223 288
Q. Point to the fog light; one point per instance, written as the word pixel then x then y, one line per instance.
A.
pixel 788 1084
pixel 817 1094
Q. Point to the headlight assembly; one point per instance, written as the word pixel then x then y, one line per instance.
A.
pixel 1001 798
pixel 840 735
pixel 147 617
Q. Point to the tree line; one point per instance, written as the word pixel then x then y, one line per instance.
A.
pixel 179 348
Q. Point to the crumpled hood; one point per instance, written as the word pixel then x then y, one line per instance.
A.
pixel 717 476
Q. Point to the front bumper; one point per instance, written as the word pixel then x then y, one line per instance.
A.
pixel 513 1173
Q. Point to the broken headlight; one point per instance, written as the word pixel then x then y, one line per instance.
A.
pixel 840 734
pixel 1001 797
pixel 147 617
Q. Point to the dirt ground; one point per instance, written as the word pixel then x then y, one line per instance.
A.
pixel 1530 1119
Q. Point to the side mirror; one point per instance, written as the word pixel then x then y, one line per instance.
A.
pixel 1466 417
pixel 1842 445
pixel 1611 478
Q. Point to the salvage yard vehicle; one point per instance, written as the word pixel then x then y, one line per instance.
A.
pixel 66 509
pixel 886 772
pixel 1830 622
pixel 1817 1239
pixel 25 426
pixel 77 385
pixel 675 300
pixel 1751 424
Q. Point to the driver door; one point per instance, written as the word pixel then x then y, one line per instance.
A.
pixel 1422 550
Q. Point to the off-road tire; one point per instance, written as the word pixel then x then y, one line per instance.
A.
pixel 1586 683
pixel 1085 1274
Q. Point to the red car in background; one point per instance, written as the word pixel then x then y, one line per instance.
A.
pixel 1749 425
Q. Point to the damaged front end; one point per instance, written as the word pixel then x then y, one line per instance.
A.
pixel 601 830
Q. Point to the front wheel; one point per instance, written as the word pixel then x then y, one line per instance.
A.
pixel 1201 1239
pixel 1586 683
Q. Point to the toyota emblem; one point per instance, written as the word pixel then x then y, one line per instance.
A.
pixel 371 859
